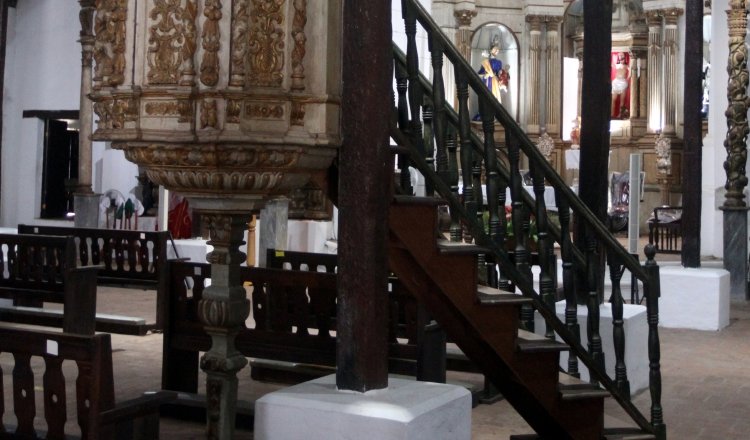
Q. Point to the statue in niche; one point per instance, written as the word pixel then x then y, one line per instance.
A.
pixel 620 83
pixel 491 70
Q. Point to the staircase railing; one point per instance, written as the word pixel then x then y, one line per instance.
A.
pixel 425 128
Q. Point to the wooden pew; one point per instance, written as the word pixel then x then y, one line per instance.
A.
pixel 128 258
pixel 293 322
pixel 39 269
pixel 93 390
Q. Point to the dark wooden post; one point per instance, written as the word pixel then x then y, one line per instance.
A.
pixel 692 154
pixel 4 5
pixel 364 196
pixel 595 116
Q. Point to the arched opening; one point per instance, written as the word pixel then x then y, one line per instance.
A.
pixel 502 38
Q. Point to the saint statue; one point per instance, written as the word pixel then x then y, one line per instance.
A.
pixel 620 83
pixel 491 70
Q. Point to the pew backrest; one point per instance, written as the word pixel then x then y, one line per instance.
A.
pixel 126 257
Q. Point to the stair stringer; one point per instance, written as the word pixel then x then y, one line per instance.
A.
pixel 488 335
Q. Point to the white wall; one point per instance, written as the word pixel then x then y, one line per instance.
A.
pixel 43 72
pixel 714 153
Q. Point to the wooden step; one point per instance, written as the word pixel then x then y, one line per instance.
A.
pixel 446 247
pixel 489 296
pixel 532 343
pixel 626 434
pixel 567 381
pixel 401 199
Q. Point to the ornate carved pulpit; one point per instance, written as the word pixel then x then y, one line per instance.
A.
pixel 228 102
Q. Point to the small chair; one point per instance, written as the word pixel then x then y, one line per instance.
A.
pixel 665 229
pixel 619 191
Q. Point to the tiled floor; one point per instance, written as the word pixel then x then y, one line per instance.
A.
pixel 706 379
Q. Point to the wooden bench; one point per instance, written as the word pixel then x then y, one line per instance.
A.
pixel 42 269
pixel 93 389
pixel 294 314
pixel 127 258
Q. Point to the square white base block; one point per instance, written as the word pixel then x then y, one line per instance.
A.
pixel 636 341
pixel 407 409
pixel 694 298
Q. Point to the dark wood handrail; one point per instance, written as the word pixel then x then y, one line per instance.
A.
pixel 517 139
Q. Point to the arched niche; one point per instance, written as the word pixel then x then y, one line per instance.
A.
pixel 482 40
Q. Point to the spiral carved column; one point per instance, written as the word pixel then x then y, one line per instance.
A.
pixel 223 311
pixel 735 207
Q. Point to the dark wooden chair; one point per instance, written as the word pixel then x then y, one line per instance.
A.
pixel 127 258
pixel 665 229
pixel 98 418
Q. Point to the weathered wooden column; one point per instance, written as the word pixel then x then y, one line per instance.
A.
pixel 364 196
pixel 692 153
pixel 223 311
pixel 654 112
pixel 87 109
pixel 535 60
pixel 735 207
pixel 670 69
pixel 86 203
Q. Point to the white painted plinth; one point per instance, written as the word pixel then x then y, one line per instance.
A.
pixel 636 341
pixel 694 298
pixel 405 410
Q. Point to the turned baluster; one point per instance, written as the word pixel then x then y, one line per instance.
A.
pixel 618 330
pixel 492 177
pixel 412 68
pixel 456 230
pixel 519 217
pixel 403 125
pixel 439 122
pixel 652 292
pixel 502 282
pixel 428 145
pixel 544 245
pixel 566 251
pixel 467 156
pixel 592 323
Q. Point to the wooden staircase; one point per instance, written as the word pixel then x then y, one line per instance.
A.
pixel 484 323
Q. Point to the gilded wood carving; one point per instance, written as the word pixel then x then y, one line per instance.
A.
pixel 298 53
pixel 240 24
pixel 211 43
pixel 165 42
pixel 266 49
pixel 190 36
pixel 264 111
pixel 109 48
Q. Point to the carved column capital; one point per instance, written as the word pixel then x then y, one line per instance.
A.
pixel 464 17
pixel 671 15
pixel 553 22
pixel 653 18
pixel 535 21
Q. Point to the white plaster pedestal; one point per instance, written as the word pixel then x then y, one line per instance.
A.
pixel 694 298
pixel 636 341
pixel 407 409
